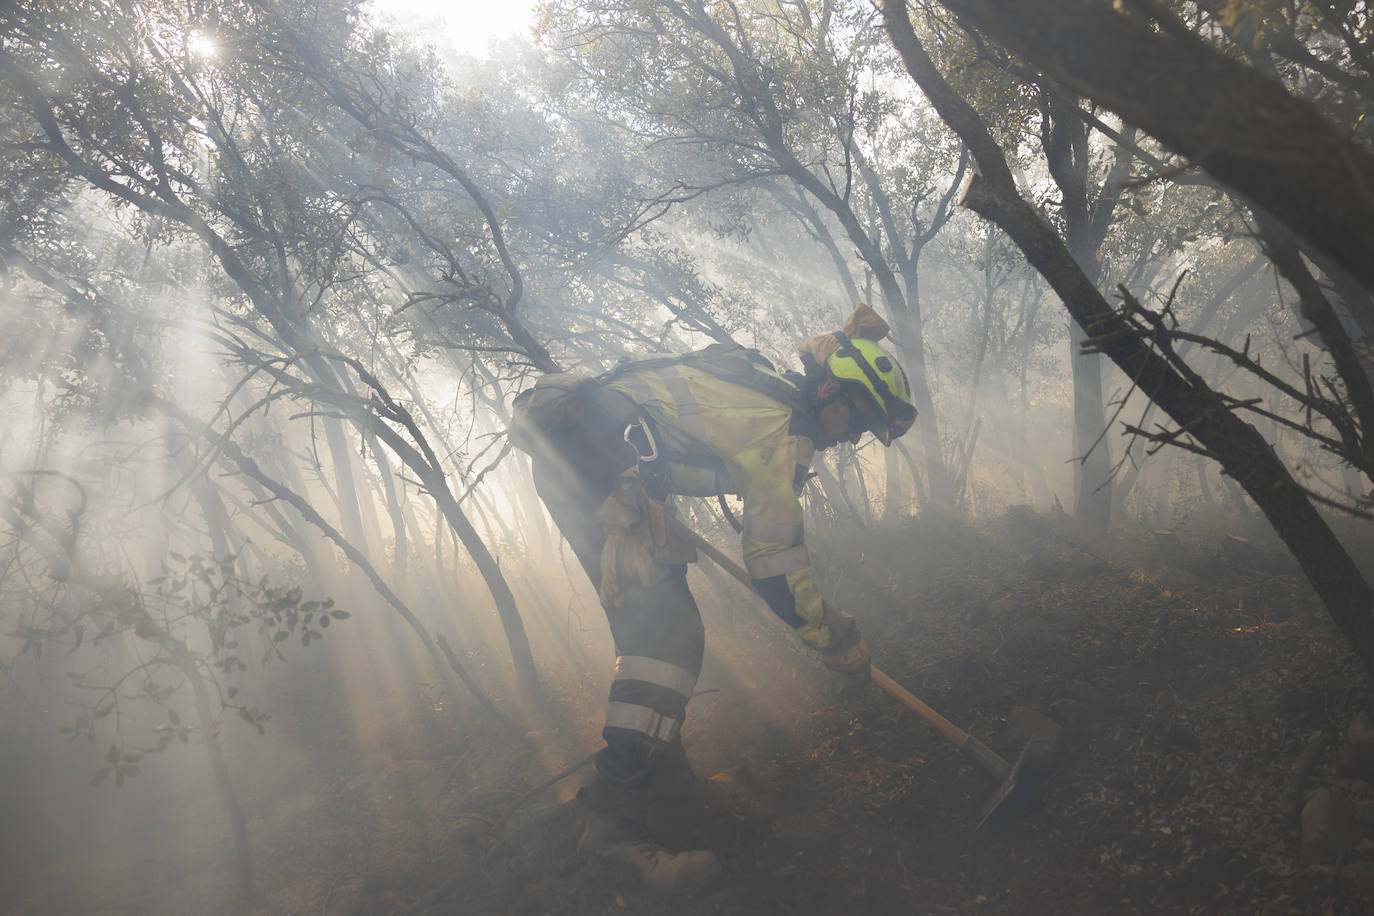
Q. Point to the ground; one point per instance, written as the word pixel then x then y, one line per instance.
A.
pixel 1203 693
pixel 1189 684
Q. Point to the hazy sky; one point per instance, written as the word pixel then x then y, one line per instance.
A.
pixel 468 24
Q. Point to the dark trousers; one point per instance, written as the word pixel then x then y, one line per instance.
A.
pixel 658 634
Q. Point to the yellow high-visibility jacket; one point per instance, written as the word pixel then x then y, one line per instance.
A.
pixel 722 437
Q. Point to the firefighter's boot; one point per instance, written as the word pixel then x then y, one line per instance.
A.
pixel 617 830
pixel 677 791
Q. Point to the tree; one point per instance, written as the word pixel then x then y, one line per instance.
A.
pixel 192 627
pixel 1142 342
pixel 236 157
pixel 1292 160
pixel 740 93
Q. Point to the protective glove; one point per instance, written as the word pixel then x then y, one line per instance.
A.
pixel 847 653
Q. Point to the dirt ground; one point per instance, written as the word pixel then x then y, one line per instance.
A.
pixel 1202 694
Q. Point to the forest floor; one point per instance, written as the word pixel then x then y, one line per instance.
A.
pixel 1202 693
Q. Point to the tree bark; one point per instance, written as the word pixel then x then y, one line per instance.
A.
pixel 1238 447
pixel 1245 130
pixel 249 467
pixel 238 823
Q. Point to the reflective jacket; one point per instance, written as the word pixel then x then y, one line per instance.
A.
pixel 718 436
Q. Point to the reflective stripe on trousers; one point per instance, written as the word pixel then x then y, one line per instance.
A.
pixel 778 564
pixel 649 696
pixel 761 529
pixel 655 671
pixel 643 720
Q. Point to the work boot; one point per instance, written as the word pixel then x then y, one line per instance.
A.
pixel 675 785
pixel 617 831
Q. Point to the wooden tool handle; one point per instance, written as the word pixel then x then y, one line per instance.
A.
pixel 975 750
pixel 961 739
pixel 905 697
pixel 912 702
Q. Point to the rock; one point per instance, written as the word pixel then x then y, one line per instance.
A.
pixel 1067 712
pixel 1027 726
pixel 1355 757
pixel 1329 827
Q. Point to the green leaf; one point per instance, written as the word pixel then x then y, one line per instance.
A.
pixel 132 757
pixel 112 754
pixel 324 621
pixel 104 711
pixel 100 775
pixel 172 716
pixel 340 615
pixel 232 692
pixel 281 635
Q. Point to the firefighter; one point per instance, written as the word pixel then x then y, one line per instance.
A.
pixel 607 450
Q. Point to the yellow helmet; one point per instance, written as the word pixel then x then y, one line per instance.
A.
pixel 860 365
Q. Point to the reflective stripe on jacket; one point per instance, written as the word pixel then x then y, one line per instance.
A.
pixel 724 437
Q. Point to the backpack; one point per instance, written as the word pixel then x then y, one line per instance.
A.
pixel 729 362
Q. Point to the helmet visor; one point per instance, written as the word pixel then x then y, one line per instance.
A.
pixel 886 423
pixel 900 417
